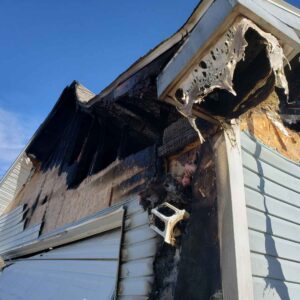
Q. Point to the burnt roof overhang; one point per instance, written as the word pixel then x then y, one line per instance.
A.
pixel 132 96
pixel 273 20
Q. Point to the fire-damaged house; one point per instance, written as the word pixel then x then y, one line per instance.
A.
pixel 180 180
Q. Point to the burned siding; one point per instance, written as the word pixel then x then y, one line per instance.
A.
pixel 49 198
pixel 87 156
pixel 91 152
pixel 190 267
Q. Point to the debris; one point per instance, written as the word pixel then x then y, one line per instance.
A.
pixel 164 220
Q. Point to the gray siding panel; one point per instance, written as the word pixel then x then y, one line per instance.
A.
pixel 12 233
pixel 107 247
pixel 13 180
pixel 270 172
pixel 18 210
pixel 87 269
pixel 262 243
pixel 272 225
pixel 272 190
pixel 132 287
pixel 20 238
pixel 274 206
pixel 270 289
pixel 138 253
pixel 259 151
pixel 282 269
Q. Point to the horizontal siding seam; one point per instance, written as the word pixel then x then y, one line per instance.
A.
pixel 272 165
pixel 277 236
pixel 270 214
pixel 271 235
pixel 268 195
pixel 273 278
pixel 139 242
pixel 273 256
pixel 270 179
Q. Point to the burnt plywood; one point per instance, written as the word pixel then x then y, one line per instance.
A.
pixel 286 142
pixel 50 200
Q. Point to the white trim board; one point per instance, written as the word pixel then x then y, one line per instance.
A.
pixel 232 218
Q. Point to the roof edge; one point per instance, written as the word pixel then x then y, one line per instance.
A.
pixel 160 48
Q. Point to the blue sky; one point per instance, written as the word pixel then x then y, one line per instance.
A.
pixel 45 45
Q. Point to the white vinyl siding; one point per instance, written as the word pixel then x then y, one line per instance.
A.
pixel 272 190
pixel 87 269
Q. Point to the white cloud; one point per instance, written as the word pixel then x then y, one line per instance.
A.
pixel 15 131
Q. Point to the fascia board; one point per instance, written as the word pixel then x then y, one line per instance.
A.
pixel 72 233
pixel 289 17
pixel 267 21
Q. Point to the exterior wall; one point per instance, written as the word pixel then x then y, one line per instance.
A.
pixel 232 217
pixel 272 190
pixel 87 269
pixel 138 251
pixel 14 180
pixel 259 209
pixel 117 260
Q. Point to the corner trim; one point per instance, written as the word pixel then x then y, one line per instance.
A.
pixel 232 217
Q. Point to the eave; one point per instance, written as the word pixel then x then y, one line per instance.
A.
pixel 217 19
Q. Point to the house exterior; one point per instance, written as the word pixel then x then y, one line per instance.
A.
pixel 179 180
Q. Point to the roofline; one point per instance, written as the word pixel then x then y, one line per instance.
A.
pixel 160 49
pixel 286 6
pixel 184 31
pixel 216 21
pixel 79 90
